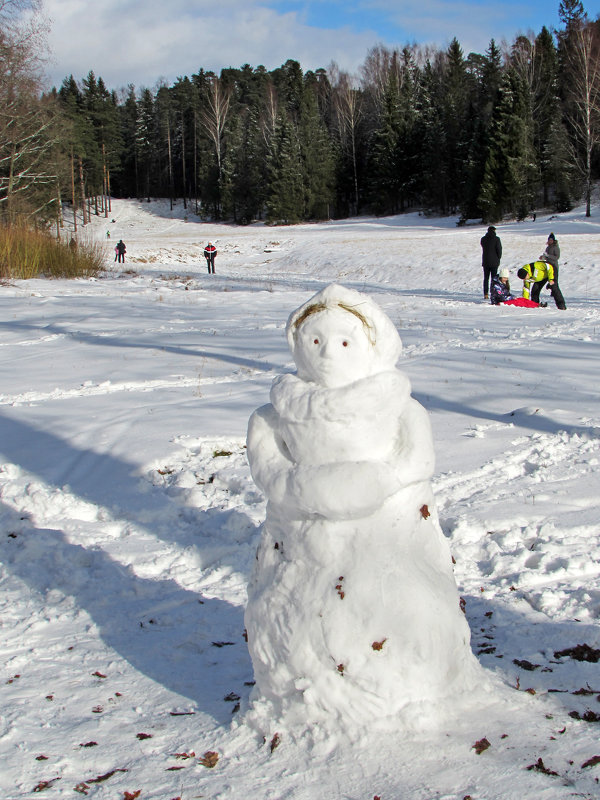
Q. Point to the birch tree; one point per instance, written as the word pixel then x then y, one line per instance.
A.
pixel 580 54
pixel 28 133
pixel 213 118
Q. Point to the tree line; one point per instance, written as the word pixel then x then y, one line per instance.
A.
pixel 481 136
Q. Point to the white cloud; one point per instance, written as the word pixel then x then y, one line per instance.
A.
pixel 127 41
pixel 140 41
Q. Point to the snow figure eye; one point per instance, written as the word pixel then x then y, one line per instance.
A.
pixel 315 341
pixel 344 344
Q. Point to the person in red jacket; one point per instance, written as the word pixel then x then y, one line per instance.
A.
pixel 210 253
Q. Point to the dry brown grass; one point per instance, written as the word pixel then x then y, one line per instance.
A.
pixel 29 253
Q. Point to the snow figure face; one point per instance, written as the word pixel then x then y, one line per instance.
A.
pixel 333 348
pixel 333 316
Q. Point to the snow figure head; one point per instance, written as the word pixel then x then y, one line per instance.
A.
pixel 340 336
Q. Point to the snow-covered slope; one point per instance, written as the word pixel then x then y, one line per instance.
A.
pixel 129 521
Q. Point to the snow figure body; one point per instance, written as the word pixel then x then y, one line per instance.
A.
pixel 353 612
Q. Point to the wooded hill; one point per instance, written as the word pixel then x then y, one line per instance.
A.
pixel 479 135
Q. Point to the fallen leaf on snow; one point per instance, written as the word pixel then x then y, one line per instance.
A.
pixel 588 716
pixel 581 652
pixel 539 766
pixel 526 664
pixel 45 785
pixel 481 745
pixel 106 776
pixel 591 762
pixel 209 759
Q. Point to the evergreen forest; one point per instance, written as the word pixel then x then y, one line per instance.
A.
pixel 480 136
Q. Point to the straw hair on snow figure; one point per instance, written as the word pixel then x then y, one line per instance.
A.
pixel 353 613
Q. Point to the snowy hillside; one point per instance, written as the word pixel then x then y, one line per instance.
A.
pixel 129 521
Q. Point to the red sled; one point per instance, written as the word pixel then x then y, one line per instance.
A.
pixel 523 302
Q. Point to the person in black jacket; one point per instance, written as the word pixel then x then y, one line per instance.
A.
pixel 491 253
pixel 120 251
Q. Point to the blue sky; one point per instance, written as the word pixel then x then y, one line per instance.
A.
pixel 141 41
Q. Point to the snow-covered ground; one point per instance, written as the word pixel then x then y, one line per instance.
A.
pixel 129 521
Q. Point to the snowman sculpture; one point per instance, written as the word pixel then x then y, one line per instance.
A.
pixel 353 613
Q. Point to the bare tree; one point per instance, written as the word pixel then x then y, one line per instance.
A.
pixel 347 105
pixel 528 59
pixel 27 131
pixel 581 59
pixel 269 116
pixel 214 116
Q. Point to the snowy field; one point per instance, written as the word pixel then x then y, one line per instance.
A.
pixel 129 521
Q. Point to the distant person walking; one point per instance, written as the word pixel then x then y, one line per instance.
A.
pixel 491 253
pixel 120 251
pixel 210 253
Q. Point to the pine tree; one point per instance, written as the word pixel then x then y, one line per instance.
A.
pixel 433 140
pixel 455 120
pixel 145 144
pixel 247 195
pixel 128 183
pixel 317 157
pixel 486 74
pixel 285 200
pixel 510 174
pixel 384 172
pixel 165 119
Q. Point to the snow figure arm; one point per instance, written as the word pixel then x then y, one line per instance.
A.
pixel 272 467
pixel 269 458
pixel 414 454
pixel 351 490
pixel 344 490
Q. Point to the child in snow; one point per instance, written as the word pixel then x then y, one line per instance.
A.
pixel 500 293
pixel 353 612
pixel 500 288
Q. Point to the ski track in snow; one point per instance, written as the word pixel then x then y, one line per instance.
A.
pixel 89 389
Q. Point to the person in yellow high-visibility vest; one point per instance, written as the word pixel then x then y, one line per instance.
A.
pixel 535 276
